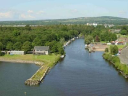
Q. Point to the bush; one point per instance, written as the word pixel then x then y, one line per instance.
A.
pixel 106 49
pixel 117 64
pixel 115 59
pixel 2 54
pixel 126 70
pixel 107 56
pixel 113 49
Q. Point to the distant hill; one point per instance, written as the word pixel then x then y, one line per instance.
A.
pixel 80 20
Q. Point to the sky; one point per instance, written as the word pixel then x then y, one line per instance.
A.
pixel 11 10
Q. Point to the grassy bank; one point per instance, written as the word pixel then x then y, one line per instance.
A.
pixel 116 62
pixel 120 46
pixel 48 62
pixel 46 59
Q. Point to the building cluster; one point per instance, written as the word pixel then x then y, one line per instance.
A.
pixel 96 24
pixel 38 50
pixel 92 24
pixel 117 43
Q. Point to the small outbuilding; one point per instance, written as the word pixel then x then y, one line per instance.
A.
pixel 44 50
pixel 16 52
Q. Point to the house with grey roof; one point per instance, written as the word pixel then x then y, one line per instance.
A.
pixel 44 50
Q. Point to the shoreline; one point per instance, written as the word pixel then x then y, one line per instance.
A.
pixel 46 62
pixel 119 70
pixel 22 61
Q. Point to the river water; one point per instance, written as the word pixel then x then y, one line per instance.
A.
pixel 78 74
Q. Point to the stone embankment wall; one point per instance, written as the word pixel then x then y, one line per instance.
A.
pixel 32 82
pixel 36 81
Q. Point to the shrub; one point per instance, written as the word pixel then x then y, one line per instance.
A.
pixel 117 64
pixel 1 53
pixel 106 49
pixel 115 59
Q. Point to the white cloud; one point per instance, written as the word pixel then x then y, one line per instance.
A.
pixel 30 11
pixel 122 12
pixel 40 12
pixel 23 16
pixel 74 11
pixel 6 14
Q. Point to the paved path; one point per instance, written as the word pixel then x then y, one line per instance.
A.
pixel 124 56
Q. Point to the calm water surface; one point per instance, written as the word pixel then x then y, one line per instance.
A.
pixel 79 74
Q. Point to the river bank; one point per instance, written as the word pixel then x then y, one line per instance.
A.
pixel 45 61
pixel 115 60
pixel 96 47
pixel 22 61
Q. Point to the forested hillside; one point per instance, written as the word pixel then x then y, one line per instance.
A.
pixel 81 20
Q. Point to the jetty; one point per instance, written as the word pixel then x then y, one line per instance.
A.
pixel 45 66
pixel 37 77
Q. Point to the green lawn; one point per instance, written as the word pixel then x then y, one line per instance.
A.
pixel 120 46
pixel 31 57
pixel 122 35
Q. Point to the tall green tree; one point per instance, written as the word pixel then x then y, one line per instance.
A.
pixel 88 39
pixel 1 46
pixel 27 46
pixel 17 46
pixel 9 46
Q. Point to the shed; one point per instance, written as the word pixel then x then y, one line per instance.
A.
pixel 41 50
pixel 16 52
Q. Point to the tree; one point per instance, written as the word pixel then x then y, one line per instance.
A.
pixel 1 46
pixel 37 42
pixel 16 33
pixel 62 40
pixel 9 46
pixel 17 46
pixel 106 49
pixel 113 49
pixel 26 46
pixel 27 27
pixel 88 39
pixel 97 39
pixel 124 32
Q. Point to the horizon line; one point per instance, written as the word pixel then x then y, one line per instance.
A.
pixel 62 18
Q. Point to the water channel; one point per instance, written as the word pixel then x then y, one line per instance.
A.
pixel 78 74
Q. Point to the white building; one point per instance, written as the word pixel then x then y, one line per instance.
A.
pixel 16 52
pixel 41 50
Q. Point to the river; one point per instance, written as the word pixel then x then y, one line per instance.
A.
pixel 78 74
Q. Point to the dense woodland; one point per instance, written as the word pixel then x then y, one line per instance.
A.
pixel 124 30
pixel 25 38
pixel 98 34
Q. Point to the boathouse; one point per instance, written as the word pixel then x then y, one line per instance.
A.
pixel 44 50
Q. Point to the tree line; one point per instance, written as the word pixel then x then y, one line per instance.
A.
pixel 54 36
pixel 25 38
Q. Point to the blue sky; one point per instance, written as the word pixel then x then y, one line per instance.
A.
pixel 58 9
